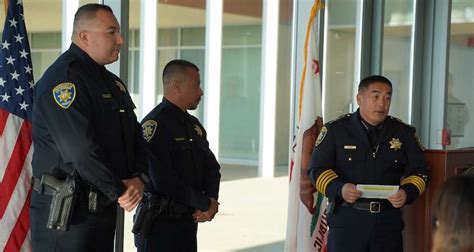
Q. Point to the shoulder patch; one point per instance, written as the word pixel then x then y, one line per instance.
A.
pixel 321 136
pixel 149 129
pixel 198 130
pixel 64 94
pixel 120 86
pixel 419 142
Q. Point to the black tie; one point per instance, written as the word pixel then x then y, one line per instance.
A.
pixel 372 132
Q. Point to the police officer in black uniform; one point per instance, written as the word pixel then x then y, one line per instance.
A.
pixel 185 174
pixel 89 150
pixel 364 148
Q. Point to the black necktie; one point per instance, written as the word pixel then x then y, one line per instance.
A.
pixel 372 132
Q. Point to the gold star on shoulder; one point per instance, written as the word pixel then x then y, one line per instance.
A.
pixel 395 144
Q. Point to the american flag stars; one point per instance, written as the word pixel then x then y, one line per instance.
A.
pixel 16 72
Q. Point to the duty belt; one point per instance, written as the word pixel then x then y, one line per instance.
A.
pixel 40 188
pixel 374 206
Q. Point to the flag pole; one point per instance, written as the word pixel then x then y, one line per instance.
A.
pixel 5 4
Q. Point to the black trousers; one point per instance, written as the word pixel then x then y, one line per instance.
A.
pixel 170 234
pixel 87 232
pixel 358 230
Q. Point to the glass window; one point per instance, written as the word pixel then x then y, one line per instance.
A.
pixel 193 36
pixel 339 59
pixel 396 62
pixel 240 82
pixel 460 92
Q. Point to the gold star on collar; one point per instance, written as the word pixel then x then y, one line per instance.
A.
pixel 395 144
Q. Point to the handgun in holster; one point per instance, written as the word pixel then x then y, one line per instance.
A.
pixel 150 208
pixel 62 202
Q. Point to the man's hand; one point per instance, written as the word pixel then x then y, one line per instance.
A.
pixel 133 195
pixel 398 199
pixel 200 216
pixel 306 193
pixel 349 193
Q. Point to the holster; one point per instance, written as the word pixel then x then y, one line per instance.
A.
pixel 149 209
pixel 63 194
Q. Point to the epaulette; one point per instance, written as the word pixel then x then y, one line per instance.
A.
pixel 400 121
pixel 340 118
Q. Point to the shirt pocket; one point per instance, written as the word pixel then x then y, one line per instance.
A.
pixel 348 160
pixel 395 159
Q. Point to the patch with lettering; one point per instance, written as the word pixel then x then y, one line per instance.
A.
pixel 149 129
pixel 120 86
pixel 419 142
pixel 321 136
pixel 64 94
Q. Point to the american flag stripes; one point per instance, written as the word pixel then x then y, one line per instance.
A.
pixel 16 149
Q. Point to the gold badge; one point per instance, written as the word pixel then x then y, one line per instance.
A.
pixel 321 136
pixel 198 130
pixel 395 144
pixel 149 129
pixel 121 86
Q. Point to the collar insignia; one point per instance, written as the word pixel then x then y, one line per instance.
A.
pixel 321 136
pixel 64 94
pixel 198 130
pixel 120 86
pixel 149 129
pixel 395 144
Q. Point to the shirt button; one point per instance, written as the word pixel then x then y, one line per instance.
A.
pixel 350 159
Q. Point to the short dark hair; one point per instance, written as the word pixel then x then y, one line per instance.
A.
pixel 367 81
pixel 88 11
pixel 176 67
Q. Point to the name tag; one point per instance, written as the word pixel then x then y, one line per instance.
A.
pixel 350 147
pixel 107 96
pixel 179 139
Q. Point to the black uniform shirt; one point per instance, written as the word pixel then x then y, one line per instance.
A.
pixel 183 167
pixel 343 154
pixel 82 121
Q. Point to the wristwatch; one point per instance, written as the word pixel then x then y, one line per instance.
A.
pixel 142 177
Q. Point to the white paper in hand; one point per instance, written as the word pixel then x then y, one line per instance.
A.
pixel 376 191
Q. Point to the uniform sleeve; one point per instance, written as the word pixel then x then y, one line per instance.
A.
pixel 165 176
pixel 212 176
pixel 74 136
pixel 416 171
pixel 322 165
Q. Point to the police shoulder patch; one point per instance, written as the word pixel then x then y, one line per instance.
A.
pixel 198 130
pixel 149 129
pixel 419 142
pixel 321 136
pixel 64 94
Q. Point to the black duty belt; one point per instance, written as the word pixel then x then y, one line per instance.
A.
pixel 373 206
pixel 40 188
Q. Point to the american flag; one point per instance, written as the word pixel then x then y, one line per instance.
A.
pixel 16 149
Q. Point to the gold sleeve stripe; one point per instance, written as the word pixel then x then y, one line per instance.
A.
pixel 324 179
pixel 321 179
pixel 416 181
